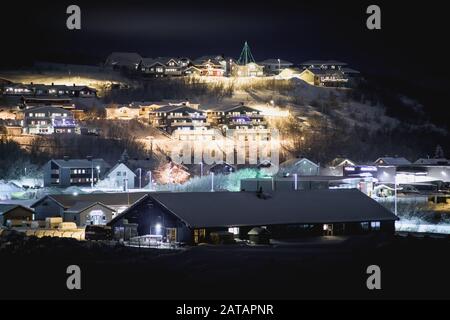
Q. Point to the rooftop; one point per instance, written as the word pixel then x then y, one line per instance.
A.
pixel 215 209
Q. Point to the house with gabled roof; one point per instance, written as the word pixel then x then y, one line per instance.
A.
pixel 120 177
pixel 179 117
pixel 275 66
pixel 48 120
pixel 237 117
pixel 56 205
pixel 84 213
pixel 392 161
pixel 74 172
pixel 192 217
pixel 123 60
pixel 14 212
pixel 300 166
pixel 162 67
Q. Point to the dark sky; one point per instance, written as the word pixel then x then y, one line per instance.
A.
pixel 412 36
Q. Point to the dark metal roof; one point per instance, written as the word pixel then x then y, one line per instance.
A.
pixel 5 208
pixel 81 163
pixel 227 209
pixel 108 199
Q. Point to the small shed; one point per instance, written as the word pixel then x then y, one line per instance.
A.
pixel 14 212
pixel 259 235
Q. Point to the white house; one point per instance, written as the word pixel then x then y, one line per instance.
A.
pixel 299 166
pixel 119 177
pixel 274 66
pixel 123 112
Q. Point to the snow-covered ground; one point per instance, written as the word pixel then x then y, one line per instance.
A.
pixel 419 226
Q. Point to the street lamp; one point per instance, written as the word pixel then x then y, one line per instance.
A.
pixel 212 181
pixel 150 177
pixel 395 194
pixel 140 178
pixel 279 65
pixel 125 184
pixel 98 173
pixel 92 174
pixel 201 169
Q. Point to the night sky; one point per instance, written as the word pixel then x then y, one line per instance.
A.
pixel 412 35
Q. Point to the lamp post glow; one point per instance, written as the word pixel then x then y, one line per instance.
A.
pixel 158 228
pixel 140 178
pixel 125 184
pixel 295 181
pixel 92 174
pixel 150 177
pixel 395 194
pixel 98 173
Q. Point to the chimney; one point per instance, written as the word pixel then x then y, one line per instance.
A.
pixel 66 158
pixel 89 158
pixel 53 84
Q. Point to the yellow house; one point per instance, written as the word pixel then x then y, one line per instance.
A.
pixel 309 77
pixel 324 77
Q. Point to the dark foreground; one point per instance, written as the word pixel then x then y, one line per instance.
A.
pixel 313 268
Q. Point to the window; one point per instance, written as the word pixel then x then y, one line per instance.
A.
pixel 119 173
pixel 375 225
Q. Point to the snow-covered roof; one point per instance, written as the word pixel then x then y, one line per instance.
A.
pixel 83 205
pixel 170 108
pixel 80 163
pixel 323 62
pixel 49 109
pixel 392 161
pixel 433 161
pixel 296 161
pixel 216 209
pixel 320 71
pixel 123 58
pixel 124 167
pixel 276 62
pixel 108 199
pixel 339 162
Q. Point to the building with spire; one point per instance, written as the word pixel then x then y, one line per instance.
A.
pixel 246 65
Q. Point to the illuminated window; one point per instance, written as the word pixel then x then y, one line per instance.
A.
pixel 375 225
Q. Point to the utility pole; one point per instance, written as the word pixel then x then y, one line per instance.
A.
pixel 140 178
pixel 395 193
